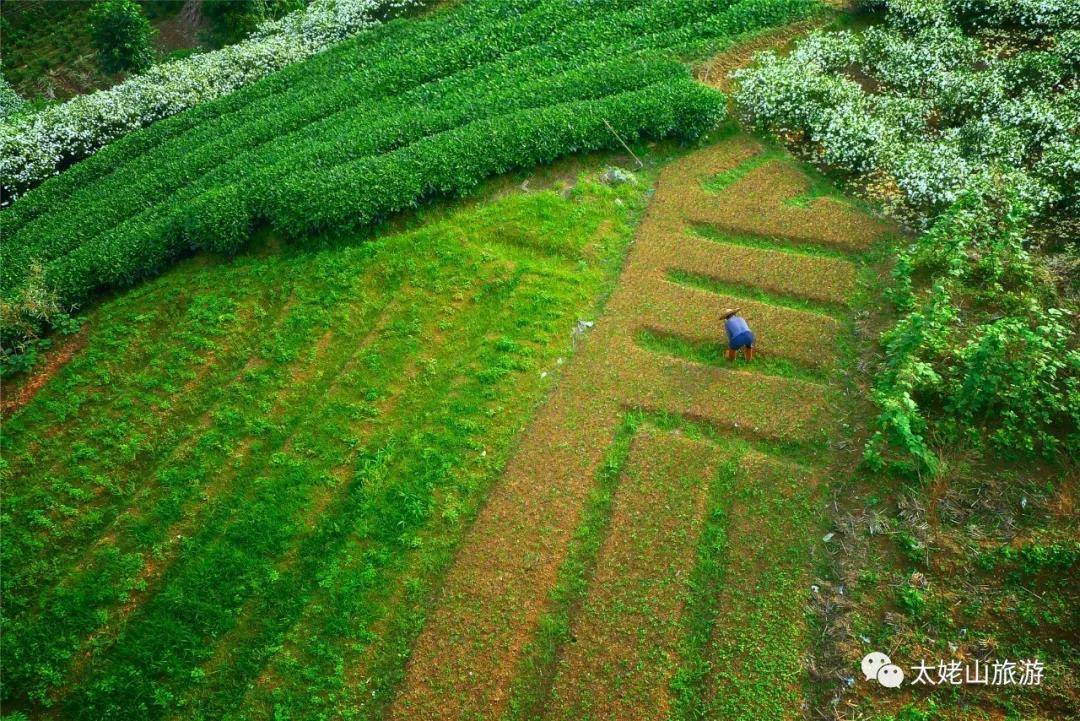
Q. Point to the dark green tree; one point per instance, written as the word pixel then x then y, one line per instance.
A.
pixel 121 34
pixel 231 20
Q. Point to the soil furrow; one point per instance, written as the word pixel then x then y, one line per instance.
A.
pixel 464 660
pixel 824 280
pixel 628 631
pixel 759 204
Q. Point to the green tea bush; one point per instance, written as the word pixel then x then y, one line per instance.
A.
pixel 38 144
pixel 363 131
pixel 218 221
pixel 121 35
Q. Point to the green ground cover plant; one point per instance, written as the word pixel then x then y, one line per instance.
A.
pixel 489 87
pixel 287 446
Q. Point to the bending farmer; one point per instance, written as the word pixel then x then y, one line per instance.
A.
pixel 739 334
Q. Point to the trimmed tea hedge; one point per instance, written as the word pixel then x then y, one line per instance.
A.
pixel 346 121
pixel 365 190
pixel 34 146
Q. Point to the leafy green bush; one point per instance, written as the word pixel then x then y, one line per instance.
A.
pixel 10 101
pixel 25 313
pixel 1044 565
pixel 1018 380
pixel 121 35
pixel 911 600
pixel 1005 371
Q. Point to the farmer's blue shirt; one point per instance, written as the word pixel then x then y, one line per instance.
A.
pixel 735 325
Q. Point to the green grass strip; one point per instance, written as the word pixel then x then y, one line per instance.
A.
pixel 750 292
pixel 801 453
pixel 761 242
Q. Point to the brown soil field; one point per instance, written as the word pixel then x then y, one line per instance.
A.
pixel 628 631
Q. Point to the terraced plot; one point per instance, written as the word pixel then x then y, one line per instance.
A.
pixel 535 616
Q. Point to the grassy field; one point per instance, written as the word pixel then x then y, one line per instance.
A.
pixel 286 449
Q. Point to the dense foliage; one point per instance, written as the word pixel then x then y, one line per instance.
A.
pixel 962 117
pixel 231 20
pixel 985 345
pixel 121 35
pixel 10 101
pixel 363 131
pixel 930 111
pixel 36 146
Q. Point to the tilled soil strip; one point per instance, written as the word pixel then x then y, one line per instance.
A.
pixel 466 656
pixel 771 270
pixel 756 204
pixel 627 632
pixel 759 637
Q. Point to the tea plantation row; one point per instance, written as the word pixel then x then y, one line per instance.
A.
pixel 376 125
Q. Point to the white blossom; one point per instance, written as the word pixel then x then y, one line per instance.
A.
pixel 32 146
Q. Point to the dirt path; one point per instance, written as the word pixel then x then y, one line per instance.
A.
pixel 467 655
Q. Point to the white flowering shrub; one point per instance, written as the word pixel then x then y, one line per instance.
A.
pixel 34 146
pixel 1061 160
pixel 1067 47
pixel 931 173
pixel 914 15
pixel 828 109
pixel 913 63
pixel 10 101
pixel 920 102
pixel 1048 15
pixel 828 52
pixel 964 116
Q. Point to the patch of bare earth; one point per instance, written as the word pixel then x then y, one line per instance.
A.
pixel 55 359
pixel 182 30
